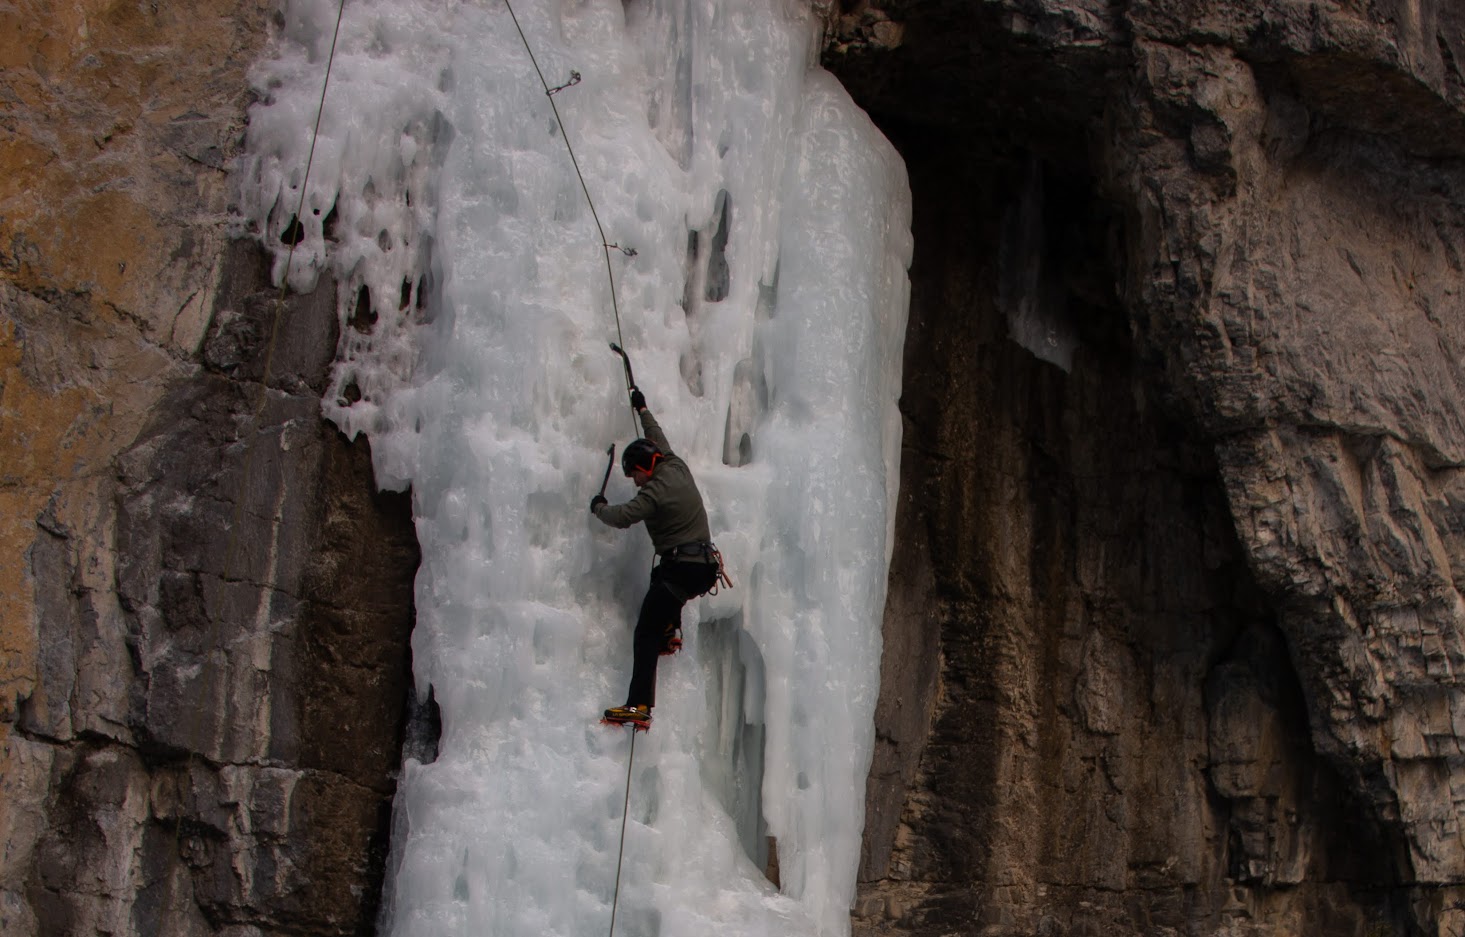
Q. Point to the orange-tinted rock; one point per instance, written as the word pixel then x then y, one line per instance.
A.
pixel 144 748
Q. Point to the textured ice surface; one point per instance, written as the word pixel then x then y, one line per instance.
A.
pixel 764 312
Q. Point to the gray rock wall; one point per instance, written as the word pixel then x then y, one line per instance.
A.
pixel 219 751
pixel 1188 654
pixel 1174 617
pixel 204 609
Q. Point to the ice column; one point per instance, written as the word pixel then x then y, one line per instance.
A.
pixel 764 309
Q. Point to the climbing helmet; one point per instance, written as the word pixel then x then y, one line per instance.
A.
pixel 641 454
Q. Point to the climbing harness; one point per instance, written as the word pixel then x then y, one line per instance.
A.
pixel 704 551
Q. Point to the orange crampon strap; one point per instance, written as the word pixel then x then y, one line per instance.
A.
pixel 723 579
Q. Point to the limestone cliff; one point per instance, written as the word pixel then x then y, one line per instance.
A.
pixel 1175 611
pixel 204 608
pixel 1172 639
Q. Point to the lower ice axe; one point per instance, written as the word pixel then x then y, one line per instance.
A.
pixel 609 461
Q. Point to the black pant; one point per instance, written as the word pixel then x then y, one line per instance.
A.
pixel 673 582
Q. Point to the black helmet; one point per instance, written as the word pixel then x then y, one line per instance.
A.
pixel 641 454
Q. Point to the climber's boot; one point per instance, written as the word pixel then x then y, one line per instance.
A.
pixel 637 717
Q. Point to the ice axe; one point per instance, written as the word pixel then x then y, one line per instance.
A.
pixel 625 360
pixel 610 460
pixel 630 379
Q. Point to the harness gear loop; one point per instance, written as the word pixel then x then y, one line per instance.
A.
pixel 708 553
pixel 723 579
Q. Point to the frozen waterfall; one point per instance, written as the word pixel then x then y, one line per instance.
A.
pixel 764 311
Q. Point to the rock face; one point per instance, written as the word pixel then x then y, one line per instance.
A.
pixel 205 608
pixel 1173 635
pixel 1175 613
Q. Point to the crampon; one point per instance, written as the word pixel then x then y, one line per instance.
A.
pixel 637 717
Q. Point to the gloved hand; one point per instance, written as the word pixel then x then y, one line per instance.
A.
pixel 597 502
pixel 638 399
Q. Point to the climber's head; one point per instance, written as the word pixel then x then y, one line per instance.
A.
pixel 639 461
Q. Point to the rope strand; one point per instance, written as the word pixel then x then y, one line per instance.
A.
pixel 605 244
pixel 231 550
pixel 295 231
pixel 620 854
pixel 606 248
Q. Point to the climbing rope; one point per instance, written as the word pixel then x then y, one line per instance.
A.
pixel 605 245
pixel 293 233
pixel 621 853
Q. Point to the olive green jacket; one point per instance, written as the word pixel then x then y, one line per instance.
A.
pixel 669 503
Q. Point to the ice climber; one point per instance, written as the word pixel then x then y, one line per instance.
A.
pixel 687 563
